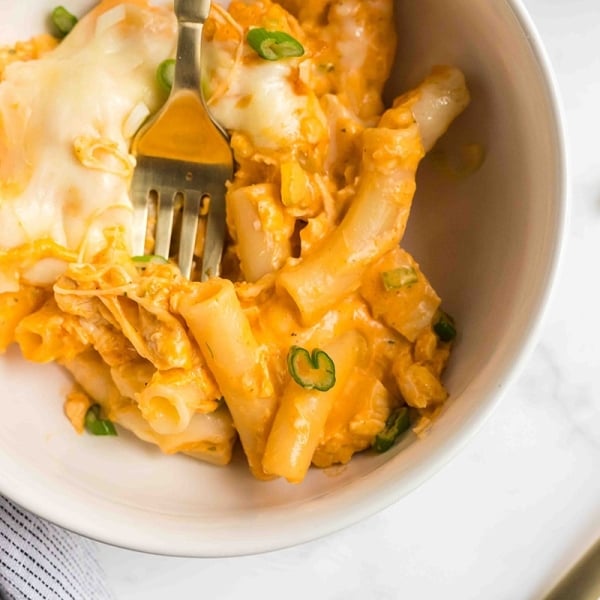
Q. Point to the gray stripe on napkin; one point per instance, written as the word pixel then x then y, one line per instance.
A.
pixel 40 561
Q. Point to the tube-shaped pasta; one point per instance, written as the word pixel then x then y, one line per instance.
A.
pixel 302 414
pixel 13 307
pixel 165 412
pixel 93 375
pixel 215 317
pixel 132 377
pixel 377 217
pixel 172 397
pixel 262 229
pixel 440 98
pixel 208 437
pixel 49 334
pixel 372 226
pixel 168 399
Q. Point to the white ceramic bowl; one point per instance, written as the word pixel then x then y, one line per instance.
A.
pixel 489 243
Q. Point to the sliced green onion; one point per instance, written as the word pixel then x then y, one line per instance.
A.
pixel 314 371
pixel 273 45
pixel 97 426
pixel 154 259
pixel 165 74
pixel 444 327
pixel 396 424
pixel 63 20
pixel 399 278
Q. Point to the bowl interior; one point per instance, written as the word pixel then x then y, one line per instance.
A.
pixel 489 244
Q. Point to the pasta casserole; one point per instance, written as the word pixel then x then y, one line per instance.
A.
pixel 322 337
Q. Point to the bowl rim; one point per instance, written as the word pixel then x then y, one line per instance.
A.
pixel 350 504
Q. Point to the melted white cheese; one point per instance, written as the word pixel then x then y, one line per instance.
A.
pixel 262 103
pixel 81 93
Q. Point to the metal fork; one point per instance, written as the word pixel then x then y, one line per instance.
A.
pixel 183 153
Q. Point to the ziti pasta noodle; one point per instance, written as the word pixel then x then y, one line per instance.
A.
pixel 322 338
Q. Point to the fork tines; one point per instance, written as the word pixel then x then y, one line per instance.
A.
pixel 179 185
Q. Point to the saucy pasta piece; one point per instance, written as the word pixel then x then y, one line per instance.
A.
pixel 214 315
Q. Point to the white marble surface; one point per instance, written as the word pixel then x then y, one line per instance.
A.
pixel 518 505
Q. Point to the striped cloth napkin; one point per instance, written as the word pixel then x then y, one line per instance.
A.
pixel 39 561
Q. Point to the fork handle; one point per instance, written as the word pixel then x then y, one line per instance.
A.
pixel 193 11
pixel 191 16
